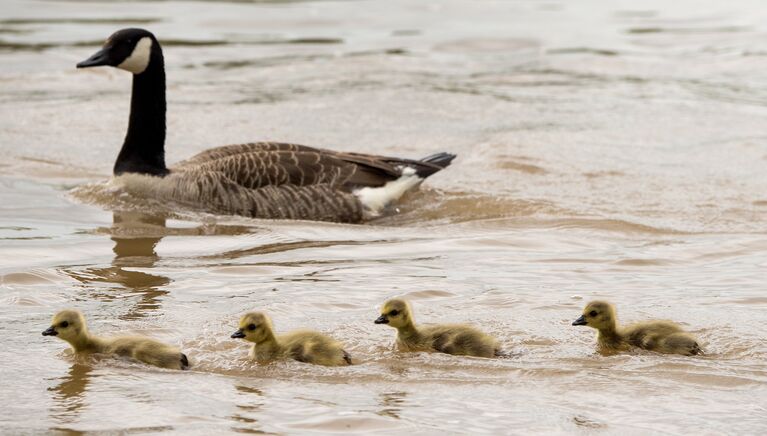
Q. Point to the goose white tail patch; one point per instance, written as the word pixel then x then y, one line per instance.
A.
pixel 138 60
pixel 375 199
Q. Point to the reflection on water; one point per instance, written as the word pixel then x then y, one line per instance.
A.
pixel 69 395
pixel 249 404
pixel 130 252
pixel 391 403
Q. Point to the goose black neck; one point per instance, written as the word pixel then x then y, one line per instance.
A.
pixel 143 151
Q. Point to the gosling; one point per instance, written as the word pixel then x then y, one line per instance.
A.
pixel 301 345
pixel 454 339
pixel 659 336
pixel 70 326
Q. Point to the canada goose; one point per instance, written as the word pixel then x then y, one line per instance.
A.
pixel 69 325
pixel 302 345
pixel 446 338
pixel 661 336
pixel 262 179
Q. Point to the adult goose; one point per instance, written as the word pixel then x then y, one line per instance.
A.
pixel 261 179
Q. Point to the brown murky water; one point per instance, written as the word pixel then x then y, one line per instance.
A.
pixel 606 149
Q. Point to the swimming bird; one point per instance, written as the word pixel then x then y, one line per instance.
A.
pixel 661 336
pixel 446 338
pixel 70 326
pixel 301 345
pixel 259 179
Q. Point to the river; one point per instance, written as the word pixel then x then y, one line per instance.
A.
pixel 606 149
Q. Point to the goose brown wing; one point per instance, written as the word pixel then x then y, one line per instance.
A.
pixel 276 168
pixel 272 164
pixel 260 164
pixel 230 150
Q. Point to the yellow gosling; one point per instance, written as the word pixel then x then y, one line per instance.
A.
pixel 660 336
pixel 445 338
pixel 301 345
pixel 70 326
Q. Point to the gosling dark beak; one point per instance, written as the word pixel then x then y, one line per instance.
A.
pixel 50 331
pixel 99 58
pixel 238 334
pixel 382 320
pixel 580 321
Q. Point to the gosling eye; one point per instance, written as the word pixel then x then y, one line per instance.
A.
pixel 394 312
pixel 251 327
pixel 64 324
pixel 593 313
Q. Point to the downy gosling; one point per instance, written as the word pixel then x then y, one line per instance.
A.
pixel 70 326
pixel 301 345
pixel 446 338
pixel 660 336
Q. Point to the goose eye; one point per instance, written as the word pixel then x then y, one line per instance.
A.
pixel 394 312
pixel 64 324
pixel 593 313
pixel 251 326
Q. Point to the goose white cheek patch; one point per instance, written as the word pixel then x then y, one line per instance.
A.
pixel 138 60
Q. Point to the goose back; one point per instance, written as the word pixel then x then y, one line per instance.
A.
pixel 260 164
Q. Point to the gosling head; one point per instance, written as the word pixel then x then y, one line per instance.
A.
pixel 68 325
pixel 396 313
pixel 597 314
pixel 128 49
pixel 254 327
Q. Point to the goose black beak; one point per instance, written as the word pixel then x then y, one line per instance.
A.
pixel 580 321
pixel 50 331
pixel 99 58
pixel 238 334
pixel 382 320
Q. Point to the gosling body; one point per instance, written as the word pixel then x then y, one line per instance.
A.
pixel 70 326
pixel 457 339
pixel 658 335
pixel 302 345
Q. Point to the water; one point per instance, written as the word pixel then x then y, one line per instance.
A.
pixel 606 150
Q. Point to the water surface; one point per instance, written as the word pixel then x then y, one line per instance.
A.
pixel 606 150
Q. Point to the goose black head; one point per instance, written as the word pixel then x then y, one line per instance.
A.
pixel 128 49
